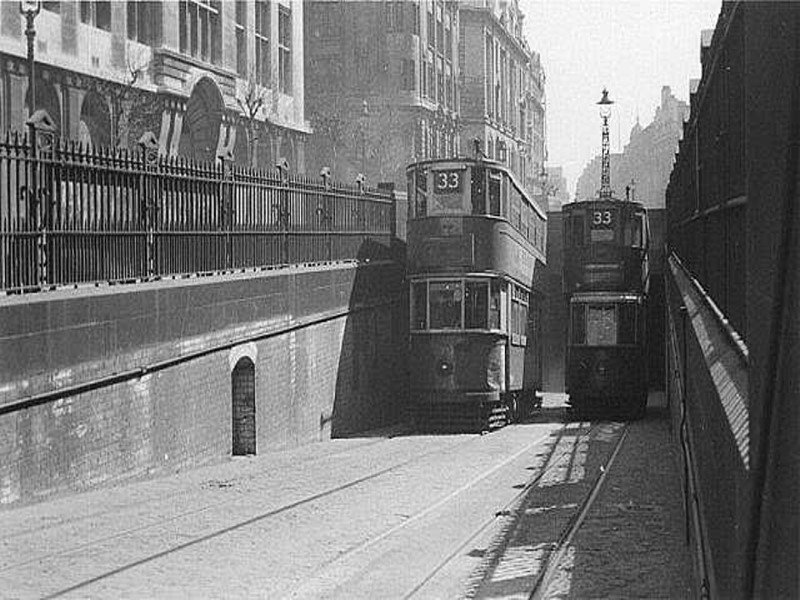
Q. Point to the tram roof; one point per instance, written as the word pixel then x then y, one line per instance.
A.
pixel 593 201
pixel 465 160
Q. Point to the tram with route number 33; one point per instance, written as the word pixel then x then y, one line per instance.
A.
pixel 476 249
pixel 606 280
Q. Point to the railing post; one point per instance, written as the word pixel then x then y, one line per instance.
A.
pixel 42 132
pixel 225 158
pixel 283 210
pixel 324 212
pixel 148 144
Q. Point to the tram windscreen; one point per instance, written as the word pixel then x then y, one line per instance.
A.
pixel 419 305
pixel 604 324
pixel 601 325
pixel 603 223
pixel 445 304
pixel 476 297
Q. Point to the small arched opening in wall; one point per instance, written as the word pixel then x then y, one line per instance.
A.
pixel 243 394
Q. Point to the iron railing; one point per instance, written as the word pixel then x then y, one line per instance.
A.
pixel 70 214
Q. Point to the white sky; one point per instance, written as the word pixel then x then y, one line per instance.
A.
pixel 631 47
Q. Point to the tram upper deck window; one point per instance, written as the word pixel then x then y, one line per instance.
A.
pixel 478 191
pixel 495 195
pixel 575 233
pixel 421 196
pixel 448 192
pixel 603 225
pixel 445 304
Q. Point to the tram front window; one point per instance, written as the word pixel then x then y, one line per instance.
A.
pixel 627 323
pixel 476 296
pixel 419 305
pixel 601 325
pixel 445 304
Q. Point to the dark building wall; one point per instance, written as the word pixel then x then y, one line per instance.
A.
pixel 555 307
pixel 327 345
pixel 772 128
pixel 733 225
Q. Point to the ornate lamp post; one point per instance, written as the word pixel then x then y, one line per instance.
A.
pixel 30 8
pixel 605 168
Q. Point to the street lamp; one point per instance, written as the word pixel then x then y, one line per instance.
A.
pixel 30 8
pixel 605 168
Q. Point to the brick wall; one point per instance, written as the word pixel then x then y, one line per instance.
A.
pixel 329 360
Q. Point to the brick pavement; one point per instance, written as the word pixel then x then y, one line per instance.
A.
pixel 632 543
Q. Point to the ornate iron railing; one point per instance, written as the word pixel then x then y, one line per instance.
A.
pixel 70 215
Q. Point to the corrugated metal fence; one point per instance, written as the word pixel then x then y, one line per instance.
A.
pixel 70 214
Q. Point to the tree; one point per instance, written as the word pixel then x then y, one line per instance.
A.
pixel 259 106
pixel 128 103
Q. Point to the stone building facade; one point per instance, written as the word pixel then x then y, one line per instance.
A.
pixel 646 161
pixel 190 71
pixel 503 95
pixel 381 85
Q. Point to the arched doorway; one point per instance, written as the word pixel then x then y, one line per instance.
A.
pixel 243 393
pixel 201 122
pixel 95 121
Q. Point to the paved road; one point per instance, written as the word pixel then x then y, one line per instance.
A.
pixel 440 516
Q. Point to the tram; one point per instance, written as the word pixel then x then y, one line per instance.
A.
pixel 476 249
pixel 606 280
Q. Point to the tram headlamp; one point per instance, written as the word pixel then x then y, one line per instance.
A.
pixel 445 368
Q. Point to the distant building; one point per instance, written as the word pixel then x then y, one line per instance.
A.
pixel 646 161
pixel 106 72
pixel 382 85
pixel 502 97
pixel 556 188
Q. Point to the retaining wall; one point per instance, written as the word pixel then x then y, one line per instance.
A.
pixel 103 384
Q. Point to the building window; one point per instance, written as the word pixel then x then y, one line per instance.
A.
pixel 241 40
pixel 96 14
pixel 394 16
pixel 431 91
pixel 262 42
pixel 431 30
pixel 285 50
pixel 200 30
pixel 408 74
pixel 143 21
pixel 324 20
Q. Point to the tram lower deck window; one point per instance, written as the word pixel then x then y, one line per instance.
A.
pixel 438 304
pixel 445 304
pixel 476 298
pixel 603 324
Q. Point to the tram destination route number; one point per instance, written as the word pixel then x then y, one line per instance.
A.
pixel 447 182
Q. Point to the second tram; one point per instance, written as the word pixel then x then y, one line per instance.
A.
pixel 606 280
pixel 476 248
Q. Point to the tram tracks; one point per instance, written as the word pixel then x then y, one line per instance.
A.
pixel 155 525
pixel 335 573
pixel 549 561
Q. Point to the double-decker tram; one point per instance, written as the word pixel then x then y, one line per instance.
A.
pixel 606 280
pixel 476 248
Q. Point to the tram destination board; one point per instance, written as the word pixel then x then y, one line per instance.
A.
pixel 602 224
pixel 448 181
